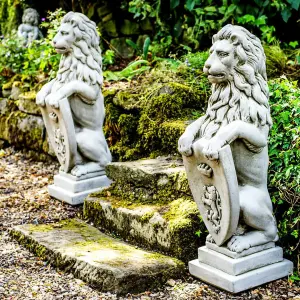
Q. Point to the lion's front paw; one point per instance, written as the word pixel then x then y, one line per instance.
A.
pixel 212 148
pixel 185 144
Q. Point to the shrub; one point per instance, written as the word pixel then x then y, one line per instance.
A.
pixel 284 169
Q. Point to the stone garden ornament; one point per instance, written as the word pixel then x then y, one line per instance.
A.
pixel 225 154
pixel 73 111
pixel 29 30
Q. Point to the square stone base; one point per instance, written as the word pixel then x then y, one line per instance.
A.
pixel 74 190
pixel 239 274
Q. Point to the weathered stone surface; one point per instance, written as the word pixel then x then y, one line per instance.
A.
pixel 236 284
pixel 16 90
pixel 98 259
pixel 73 190
pixel 110 27
pixel 26 103
pixel 240 265
pixel 224 250
pixel 24 130
pixel 122 47
pixel 149 180
pixel 129 28
pixel 168 228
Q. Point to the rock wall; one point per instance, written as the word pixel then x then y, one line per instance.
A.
pixel 21 123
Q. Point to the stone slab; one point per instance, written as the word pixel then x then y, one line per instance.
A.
pixel 239 283
pixel 70 197
pixel 236 266
pixel 83 177
pixel 78 186
pixel 148 224
pixel 106 263
pixel 224 250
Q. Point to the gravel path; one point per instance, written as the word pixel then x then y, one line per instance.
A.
pixel 24 199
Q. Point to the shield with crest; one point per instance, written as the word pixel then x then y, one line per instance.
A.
pixel 215 189
pixel 61 131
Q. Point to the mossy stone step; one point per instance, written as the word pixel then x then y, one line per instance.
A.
pixel 104 262
pixel 158 180
pixel 169 228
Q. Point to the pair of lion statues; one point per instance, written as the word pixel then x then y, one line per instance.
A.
pixel 238 114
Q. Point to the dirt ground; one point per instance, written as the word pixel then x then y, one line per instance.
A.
pixel 24 199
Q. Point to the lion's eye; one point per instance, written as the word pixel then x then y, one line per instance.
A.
pixel 222 53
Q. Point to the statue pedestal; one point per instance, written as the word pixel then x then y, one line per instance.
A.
pixel 236 272
pixel 73 190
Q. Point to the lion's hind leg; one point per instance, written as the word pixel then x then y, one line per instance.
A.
pixel 256 210
pixel 92 146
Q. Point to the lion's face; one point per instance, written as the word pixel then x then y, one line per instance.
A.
pixel 64 38
pixel 221 61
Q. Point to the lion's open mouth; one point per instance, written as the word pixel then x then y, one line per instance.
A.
pixel 217 76
pixel 61 49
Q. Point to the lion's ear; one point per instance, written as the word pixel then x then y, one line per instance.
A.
pixel 214 38
pixel 235 39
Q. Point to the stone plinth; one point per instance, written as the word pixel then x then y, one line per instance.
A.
pixel 236 273
pixel 74 190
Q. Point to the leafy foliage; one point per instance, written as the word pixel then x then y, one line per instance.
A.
pixel 284 169
pixel 193 22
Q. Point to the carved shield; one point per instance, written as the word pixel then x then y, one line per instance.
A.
pixel 215 189
pixel 61 131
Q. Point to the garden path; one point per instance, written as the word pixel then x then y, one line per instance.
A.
pixel 24 199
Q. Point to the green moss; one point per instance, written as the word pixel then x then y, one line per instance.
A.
pixel 147 117
pixel 40 228
pixel 179 213
pixel 30 96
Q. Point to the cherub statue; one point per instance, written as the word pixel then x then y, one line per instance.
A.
pixel 238 115
pixel 29 29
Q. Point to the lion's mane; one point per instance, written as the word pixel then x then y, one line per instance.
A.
pixel 30 12
pixel 245 95
pixel 84 63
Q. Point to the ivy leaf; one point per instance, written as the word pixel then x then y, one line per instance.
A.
pixel 294 3
pixel 286 14
pixel 190 4
pixel 174 3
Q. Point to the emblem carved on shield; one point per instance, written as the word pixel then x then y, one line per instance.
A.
pixel 215 189
pixel 61 131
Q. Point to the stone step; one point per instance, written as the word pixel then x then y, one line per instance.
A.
pixel 169 228
pixel 98 259
pixel 149 180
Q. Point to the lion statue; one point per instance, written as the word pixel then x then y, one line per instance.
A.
pixel 238 114
pixel 79 79
pixel 29 30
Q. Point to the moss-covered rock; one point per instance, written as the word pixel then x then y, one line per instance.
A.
pixel 104 262
pixel 26 103
pixel 169 228
pixel 158 180
pixel 24 130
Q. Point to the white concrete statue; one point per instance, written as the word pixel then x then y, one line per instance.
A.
pixel 29 29
pixel 72 104
pixel 225 151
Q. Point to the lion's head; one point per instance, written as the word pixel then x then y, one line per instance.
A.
pixel 236 68
pixel 30 16
pixel 77 39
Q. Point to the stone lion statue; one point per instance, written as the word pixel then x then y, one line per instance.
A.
pixel 29 30
pixel 238 114
pixel 79 79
